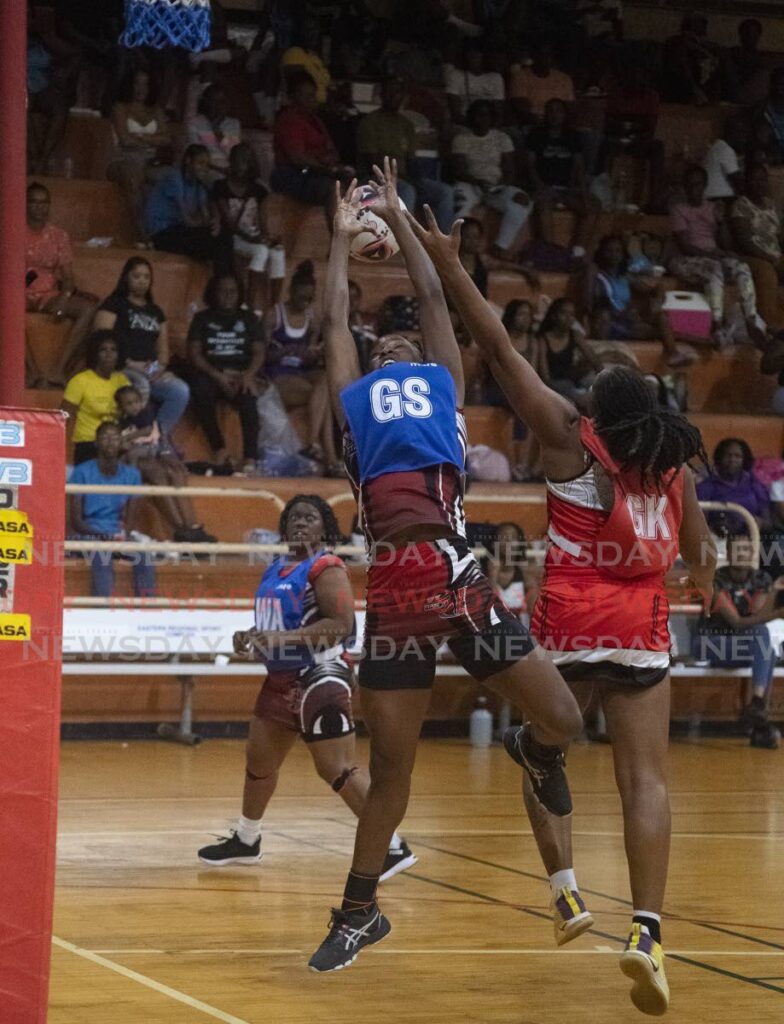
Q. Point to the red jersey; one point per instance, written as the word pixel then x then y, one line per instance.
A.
pixel 603 595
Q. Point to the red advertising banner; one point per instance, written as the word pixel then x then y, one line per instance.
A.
pixel 32 524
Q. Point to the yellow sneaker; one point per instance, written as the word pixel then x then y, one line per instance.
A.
pixel 643 962
pixel 570 918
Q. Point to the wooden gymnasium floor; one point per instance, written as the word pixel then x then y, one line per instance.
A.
pixel 145 935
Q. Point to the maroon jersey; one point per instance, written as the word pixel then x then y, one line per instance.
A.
pixel 392 502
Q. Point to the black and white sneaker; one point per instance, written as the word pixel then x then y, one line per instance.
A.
pixel 349 931
pixel 231 850
pixel 397 860
pixel 545 768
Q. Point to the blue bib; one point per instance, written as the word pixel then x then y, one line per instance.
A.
pixel 284 600
pixel 403 417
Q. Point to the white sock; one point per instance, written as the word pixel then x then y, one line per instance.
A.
pixel 563 879
pixel 248 830
pixel 395 843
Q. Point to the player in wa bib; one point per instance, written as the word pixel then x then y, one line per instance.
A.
pixel 404 445
pixel 304 619
pixel 622 502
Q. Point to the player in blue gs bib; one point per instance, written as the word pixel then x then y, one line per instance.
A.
pixel 404 447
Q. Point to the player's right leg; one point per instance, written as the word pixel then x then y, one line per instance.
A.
pixel 638 723
pixel 268 745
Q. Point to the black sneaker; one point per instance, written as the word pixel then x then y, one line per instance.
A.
pixel 546 771
pixel 231 850
pixel 766 736
pixel 349 931
pixel 754 715
pixel 397 860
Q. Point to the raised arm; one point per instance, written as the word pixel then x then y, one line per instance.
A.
pixel 553 419
pixel 438 335
pixel 342 359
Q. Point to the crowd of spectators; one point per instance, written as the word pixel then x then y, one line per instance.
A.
pixel 485 107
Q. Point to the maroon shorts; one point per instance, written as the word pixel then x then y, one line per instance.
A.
pixel 315 702
pixel 422 595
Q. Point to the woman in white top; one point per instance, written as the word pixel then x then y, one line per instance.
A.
pixel 212 127
pixel 722 162
pixel 143 145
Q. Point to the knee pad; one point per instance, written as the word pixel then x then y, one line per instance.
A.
pixel 343 778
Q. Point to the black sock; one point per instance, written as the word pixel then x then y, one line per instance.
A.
pixel 653 926
pixel 360 891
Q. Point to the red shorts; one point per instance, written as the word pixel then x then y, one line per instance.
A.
pixel 421 595
pixel 590 622
pixel 315 702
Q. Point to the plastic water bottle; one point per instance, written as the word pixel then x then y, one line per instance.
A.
pixel 480 727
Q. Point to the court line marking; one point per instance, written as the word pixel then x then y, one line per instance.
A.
pixel 431 832
pixel 142 979
pixel 459 951
pixel 485 898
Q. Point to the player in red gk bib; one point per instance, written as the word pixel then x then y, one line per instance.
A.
pixel 621 504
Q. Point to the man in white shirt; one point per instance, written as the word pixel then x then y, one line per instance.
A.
pixel 721 161
pixel 473 83
pixel 484 168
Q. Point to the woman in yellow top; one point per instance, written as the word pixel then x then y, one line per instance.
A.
pixel 89 395
pixel 306 56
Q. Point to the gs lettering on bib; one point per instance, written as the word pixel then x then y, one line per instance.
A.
pixel 403 417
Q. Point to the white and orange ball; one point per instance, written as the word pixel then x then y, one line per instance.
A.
pixel 375 242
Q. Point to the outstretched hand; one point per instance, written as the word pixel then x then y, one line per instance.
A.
pixel 347 209
pixel 442 249
pixel 387 203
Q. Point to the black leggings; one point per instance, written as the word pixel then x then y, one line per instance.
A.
pixel 205 393
pixel 199 243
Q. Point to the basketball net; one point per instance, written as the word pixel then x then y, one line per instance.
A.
pixel 159 23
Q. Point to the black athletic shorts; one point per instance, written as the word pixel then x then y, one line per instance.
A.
pixel 609 673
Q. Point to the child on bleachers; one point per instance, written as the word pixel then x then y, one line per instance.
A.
pixel 142 446
pixel 239 198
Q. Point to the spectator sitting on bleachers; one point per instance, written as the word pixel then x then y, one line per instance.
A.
pixel 531 87
pixel 691 68
pixel 225 355
pixel 143 445
pixel 772 113
pixel 568 364
pixel 212 127
pixel 756 227
pixel 633 302
pixel 472 244
pixel 484 168
pixel 722 162
pixel 473 82
pixel 631 117
pixel 557 171
pixel 701 234
pixel 295 364
pixel 140 330
pixel 89 396
pixel 304 56
pixel 744 62
pixel 143 144
pixel 387 132
pixel 306 160
pixel 178 217
pixel 108 516
pixel 735 634
pixel 508 571
pixel 732 479
pixel 518 319
pixel 52 71
pixel 50 286
pixel 363 330
pixel 239 198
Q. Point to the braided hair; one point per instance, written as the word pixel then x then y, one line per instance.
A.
pixel 332 532
pixel 639 433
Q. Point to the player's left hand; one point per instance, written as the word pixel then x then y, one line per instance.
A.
pixel 442 249
pixel 387 204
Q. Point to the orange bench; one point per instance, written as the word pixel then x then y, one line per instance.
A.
pixel 88 209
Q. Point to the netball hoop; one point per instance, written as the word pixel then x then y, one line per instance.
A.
pixel 160 23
